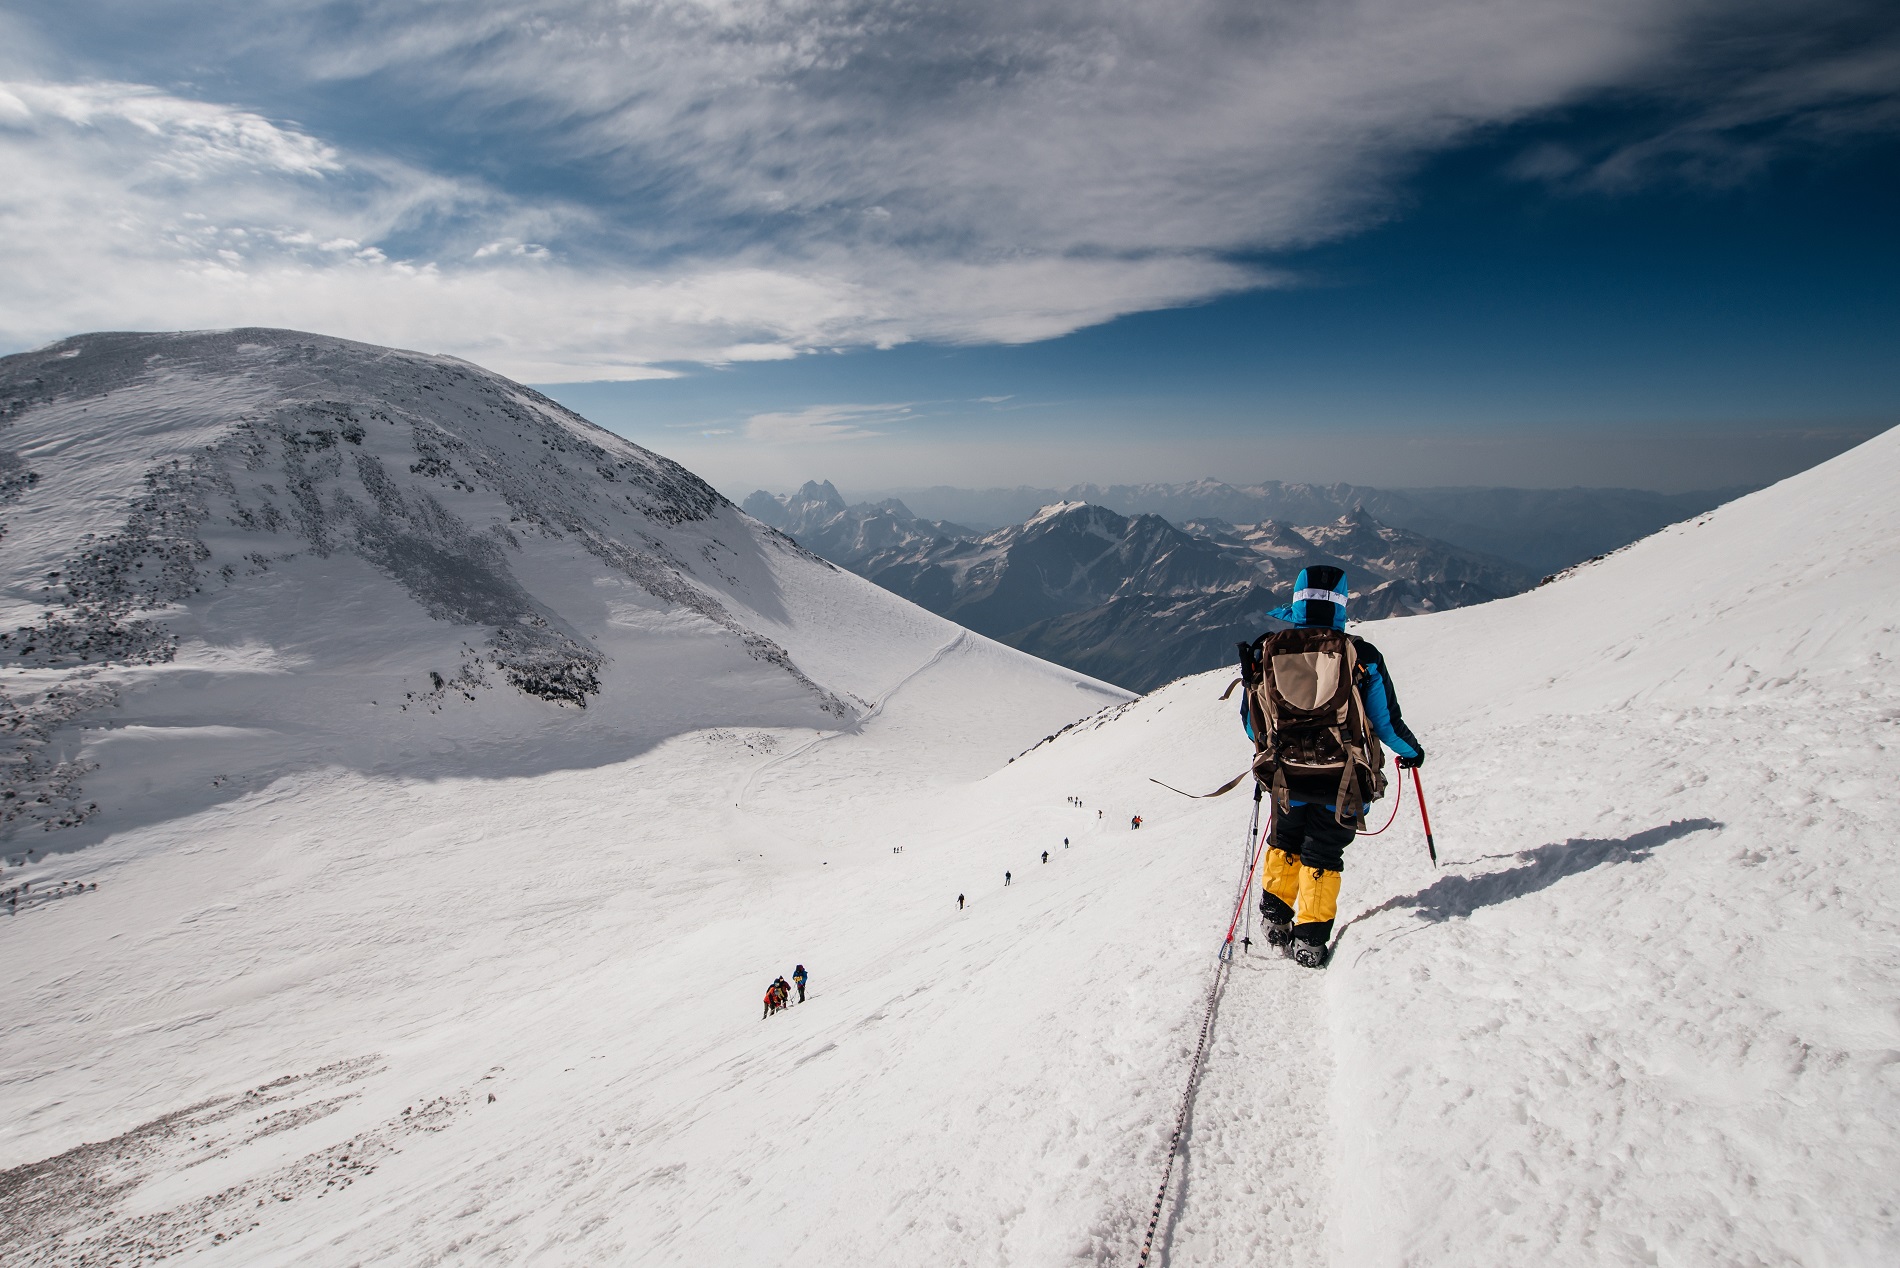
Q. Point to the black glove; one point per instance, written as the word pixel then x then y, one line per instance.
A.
pixel 1412 763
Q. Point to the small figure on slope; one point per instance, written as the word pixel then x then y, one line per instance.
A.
pixel 798 978
pixel 1045 856
pixel 1318 703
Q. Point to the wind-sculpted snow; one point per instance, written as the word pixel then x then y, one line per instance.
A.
pixel 348 528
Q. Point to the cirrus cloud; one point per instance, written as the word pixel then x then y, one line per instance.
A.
pixel 585 189
pixel 817 424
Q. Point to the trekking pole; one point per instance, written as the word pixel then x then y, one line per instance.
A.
pixel 1425 818
pixel 1246 882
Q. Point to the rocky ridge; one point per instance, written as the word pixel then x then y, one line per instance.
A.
pixel 1136 600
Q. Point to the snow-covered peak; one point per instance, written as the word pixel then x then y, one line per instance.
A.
pixel 329 541
pixel 1055 510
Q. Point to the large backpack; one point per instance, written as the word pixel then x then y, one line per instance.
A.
pixel 1306 711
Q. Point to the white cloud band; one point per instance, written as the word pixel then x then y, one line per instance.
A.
pixel 765 177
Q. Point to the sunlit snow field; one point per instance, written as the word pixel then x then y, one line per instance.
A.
pixel 1643 1012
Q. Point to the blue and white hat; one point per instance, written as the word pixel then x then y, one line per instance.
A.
pixel 1319 599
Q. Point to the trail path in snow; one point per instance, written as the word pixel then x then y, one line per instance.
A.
pixel 1255 1175
pixel 1253 1168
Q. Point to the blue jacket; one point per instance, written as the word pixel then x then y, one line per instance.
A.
pixel 1382 702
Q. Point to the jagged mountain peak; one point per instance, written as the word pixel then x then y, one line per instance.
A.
pixel 821 491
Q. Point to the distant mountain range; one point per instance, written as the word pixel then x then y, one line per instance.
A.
pixel 1544 530
pixel 1136 600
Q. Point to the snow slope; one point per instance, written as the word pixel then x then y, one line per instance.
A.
pixel 1642 1014
pixel 231 554
pixel 1649 1016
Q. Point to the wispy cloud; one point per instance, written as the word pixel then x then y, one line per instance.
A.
pixel 670 181
pixel 818 424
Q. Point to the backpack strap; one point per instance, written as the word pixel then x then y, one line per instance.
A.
pixel 1222 791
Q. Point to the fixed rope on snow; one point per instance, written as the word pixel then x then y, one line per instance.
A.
pixel 1187 1102
pixel 1224 961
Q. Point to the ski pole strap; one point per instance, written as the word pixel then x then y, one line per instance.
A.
pixel 1424 817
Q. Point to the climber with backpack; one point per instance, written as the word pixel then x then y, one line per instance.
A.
pixel 1318 704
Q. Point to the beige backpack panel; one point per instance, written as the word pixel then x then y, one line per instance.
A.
pixel 1308 680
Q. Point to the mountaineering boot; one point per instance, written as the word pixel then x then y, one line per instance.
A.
pixel 1309 955
pixel 1279 933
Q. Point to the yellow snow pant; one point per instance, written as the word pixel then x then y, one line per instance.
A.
pixel 1311 893
pixel 1319 897
pixel 1280 876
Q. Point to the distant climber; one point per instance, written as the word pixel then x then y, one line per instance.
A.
pixel 774 1001
pixel 798 978
pixel 1318 703
pixel 1135 822
pixel 959 902
pixel 1045 856
pixel 1005 878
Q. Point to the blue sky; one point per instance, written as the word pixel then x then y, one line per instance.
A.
pixel 1496 331
pixel 1641 242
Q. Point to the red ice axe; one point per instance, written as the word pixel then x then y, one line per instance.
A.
pixel 1425 817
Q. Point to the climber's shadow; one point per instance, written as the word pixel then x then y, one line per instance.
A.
pixel 1452 897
